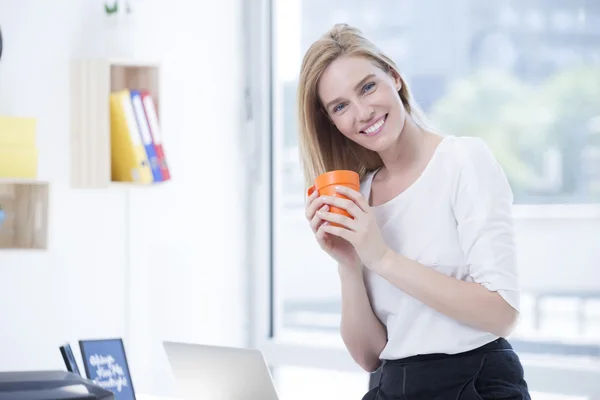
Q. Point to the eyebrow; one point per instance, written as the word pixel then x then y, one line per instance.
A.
pixel 359 84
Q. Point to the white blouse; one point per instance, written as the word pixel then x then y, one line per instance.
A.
pixel 456 218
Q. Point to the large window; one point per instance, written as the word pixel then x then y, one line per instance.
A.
pixel 524 75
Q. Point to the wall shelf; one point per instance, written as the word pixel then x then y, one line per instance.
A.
pixel 92 81
pixel 25 204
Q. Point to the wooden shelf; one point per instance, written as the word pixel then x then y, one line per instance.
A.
pixel 25 204
pixel 92 81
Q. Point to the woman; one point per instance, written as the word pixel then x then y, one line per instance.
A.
pixel 427 261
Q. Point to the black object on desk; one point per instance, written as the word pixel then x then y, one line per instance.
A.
pixel 49 385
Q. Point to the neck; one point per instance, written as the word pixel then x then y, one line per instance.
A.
pixel 408 150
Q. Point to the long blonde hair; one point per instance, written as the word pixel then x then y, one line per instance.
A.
pixel 323 148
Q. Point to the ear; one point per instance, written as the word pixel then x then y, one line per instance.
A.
pixel 397 80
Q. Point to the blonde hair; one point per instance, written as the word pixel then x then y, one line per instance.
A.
pixel 323 148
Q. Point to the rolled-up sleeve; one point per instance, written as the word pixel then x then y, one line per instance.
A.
pixel 482 205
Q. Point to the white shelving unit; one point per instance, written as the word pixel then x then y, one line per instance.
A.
pixel 25 204
pixel 92 81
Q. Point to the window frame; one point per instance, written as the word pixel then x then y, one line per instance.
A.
pixel 262 290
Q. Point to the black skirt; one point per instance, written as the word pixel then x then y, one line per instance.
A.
pixel 492 371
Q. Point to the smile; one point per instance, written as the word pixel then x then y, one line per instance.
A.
pixel 375 128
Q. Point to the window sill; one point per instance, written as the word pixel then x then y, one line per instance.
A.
pixel 556 211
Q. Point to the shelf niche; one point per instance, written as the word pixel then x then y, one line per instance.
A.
pixel 92 82
pixel 25 205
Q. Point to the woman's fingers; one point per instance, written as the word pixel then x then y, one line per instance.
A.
pixel 344 204
pixel 313 204
pixel 321 236
pixel 356 197
pixel 316 220
pixel 339 219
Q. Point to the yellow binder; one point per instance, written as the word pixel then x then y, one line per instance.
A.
pixel 18 132
pixel 129 161
pixel 18 163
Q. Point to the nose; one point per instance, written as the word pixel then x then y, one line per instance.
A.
pixel 364 112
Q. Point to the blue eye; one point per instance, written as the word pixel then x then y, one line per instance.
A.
pixel 368 87
pixel 338 108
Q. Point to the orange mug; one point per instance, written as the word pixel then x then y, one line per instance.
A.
pixel 325 184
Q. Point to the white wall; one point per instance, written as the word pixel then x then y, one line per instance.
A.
pixel 181 242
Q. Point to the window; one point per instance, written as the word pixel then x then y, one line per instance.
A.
pixel 525 76
pixel 522 75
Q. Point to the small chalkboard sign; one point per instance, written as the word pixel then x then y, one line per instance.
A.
pixel 105 363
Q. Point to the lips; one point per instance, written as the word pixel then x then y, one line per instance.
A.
pixel 375 127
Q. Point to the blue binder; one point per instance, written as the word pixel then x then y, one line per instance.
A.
pixel 140 116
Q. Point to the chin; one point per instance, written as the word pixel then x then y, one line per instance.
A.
pixel 385 141
pixel 391 136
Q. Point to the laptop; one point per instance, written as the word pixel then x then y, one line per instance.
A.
pixel 219 373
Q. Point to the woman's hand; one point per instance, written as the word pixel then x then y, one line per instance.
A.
pixel 361 230
pixel 339 249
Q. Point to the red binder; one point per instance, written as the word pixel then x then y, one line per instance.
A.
pixel 152 118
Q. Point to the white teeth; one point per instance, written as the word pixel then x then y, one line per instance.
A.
pixel 373 128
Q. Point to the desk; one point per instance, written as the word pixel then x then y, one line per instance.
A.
pixel 150 397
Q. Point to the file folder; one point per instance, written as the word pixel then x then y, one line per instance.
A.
pixel 18 163
pixel 144 129
pixel 152 118
pixel 129 161
pixel 17 132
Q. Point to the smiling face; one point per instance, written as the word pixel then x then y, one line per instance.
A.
pixel 362 101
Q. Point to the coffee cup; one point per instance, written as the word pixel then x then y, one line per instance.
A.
pixel 326 183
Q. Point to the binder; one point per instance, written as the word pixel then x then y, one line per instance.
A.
pixel 18 132
pixel 129 161
pixel 152 118
pixel 18 163
pixel 140 116
pixel 18 151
